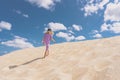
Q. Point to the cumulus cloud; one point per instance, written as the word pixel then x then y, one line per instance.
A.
pixel 116 1
pixel 18 42
pixel 112 18
pixel 70 31
pixel 95 31
pixel 93 6
pixel 69 37
pixel 115 27
pixel 112 12
pixel 5 25
pixel 80 38
pixel 65 36
pixel 77 27
pixel 96 34
pixel 56 26
pixel 45 30
pixel 105 27
pixel 47 4
pixel 65 32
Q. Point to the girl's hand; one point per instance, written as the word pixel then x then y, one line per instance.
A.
pixel 53 40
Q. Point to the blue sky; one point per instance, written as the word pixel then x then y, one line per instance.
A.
pixel 23 22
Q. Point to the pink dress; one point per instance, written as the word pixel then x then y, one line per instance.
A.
pixel 46 40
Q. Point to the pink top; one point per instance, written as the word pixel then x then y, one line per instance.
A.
pixel 47 38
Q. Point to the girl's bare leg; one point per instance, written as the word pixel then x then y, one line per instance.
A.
pixel 47 50
pixel 46 53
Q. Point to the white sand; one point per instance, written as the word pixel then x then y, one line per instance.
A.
pixel 88 60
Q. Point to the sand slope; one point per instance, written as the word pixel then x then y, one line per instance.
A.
pixel 87 60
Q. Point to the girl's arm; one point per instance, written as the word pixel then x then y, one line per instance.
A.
pixel 53 40
pixel 42 40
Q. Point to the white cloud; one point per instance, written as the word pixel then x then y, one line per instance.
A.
pixel 69 37
pixel 18 12
pixel 45 30
pixel 70 31
pixel 56 26
pixel 65 36
pixel 80 38
pixel 95 31
pixel 112 18
pixel 116 1
pixel 93 6
pixel 89 9
pixel 26 15
pixel 47 4
pixel 105 27
pixel 5 25
pixel 115 27
pixel 18 42
pixel 23 14
pixel 97 35
pixel 112 12
pixel 77 27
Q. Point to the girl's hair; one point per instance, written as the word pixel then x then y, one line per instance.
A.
pixel 49 31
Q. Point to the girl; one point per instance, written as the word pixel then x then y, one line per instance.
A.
pixel 46 40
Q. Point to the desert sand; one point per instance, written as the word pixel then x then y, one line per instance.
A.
pixel 86 60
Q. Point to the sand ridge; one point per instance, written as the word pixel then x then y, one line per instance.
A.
pixel 85 60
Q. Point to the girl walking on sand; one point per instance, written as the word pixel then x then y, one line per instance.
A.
pixel 48 36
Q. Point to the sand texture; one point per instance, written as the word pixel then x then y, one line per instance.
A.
pixel 86 60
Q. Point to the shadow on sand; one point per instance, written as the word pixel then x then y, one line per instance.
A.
pixel 15 66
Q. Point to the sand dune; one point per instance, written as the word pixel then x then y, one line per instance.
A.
pixel 87 60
